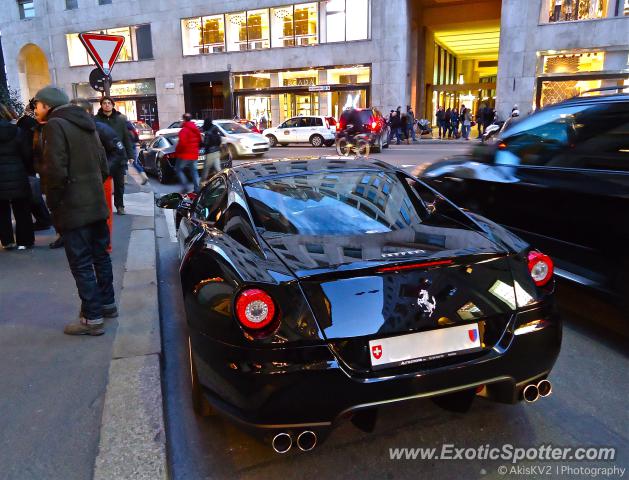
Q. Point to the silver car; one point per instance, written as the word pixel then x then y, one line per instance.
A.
pixel 240 141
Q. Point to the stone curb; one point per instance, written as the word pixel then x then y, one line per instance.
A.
pixel 132 437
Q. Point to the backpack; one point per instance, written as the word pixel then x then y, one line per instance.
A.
pixel 212 138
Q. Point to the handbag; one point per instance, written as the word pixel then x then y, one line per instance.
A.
pixel 35 189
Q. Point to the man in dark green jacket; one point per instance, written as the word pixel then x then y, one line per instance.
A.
pixel 73 168
pixel 118 122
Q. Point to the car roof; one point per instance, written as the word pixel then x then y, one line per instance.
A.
pixel 253 172
pixel 592 100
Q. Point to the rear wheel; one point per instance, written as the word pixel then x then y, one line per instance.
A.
pixel 199 403
pixel 232 151
pixel 362 148
pixel 343 147
pixel 377 148
pixel 272 140
pixel 316 141
pixel 162 171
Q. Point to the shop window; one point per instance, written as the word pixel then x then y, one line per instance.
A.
pixel 282 27
pixel 137 45
pixel 306 24
pixel 27 9
pixel 72 4
pixel 254 81
pixel 258 29
pixel 347 20
pixel 574 63
pixel 236 31
pixel 569 10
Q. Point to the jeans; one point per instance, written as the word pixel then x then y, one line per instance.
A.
pixel 410 133
pixel 212 159
pixel 136 163
pixel 442 128
pixel 86 250
pixel 181 166
pixel 465 131
pixel 23 222
pixel 117 173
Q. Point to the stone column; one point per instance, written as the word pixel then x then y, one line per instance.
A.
pixel 275 102
pixel 322 79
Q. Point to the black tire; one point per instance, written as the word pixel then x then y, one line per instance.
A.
pixel 272 140
pixel 343 147
pixel 232 151
pixel 162 171
pixel 329 143
pixel 200 405
pixel 362 148
pixel 377 146
pixel 316 141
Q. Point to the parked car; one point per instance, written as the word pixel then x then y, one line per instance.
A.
pixel 176 126
pixel 144 132
pixel 353 282
pixel 158 157
pixel 366 121
pixel 240 141
pixel 559 179
pixel 318 131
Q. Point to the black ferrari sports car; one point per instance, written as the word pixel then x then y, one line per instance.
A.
pixel 317 290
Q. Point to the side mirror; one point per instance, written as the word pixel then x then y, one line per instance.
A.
pixel 170 200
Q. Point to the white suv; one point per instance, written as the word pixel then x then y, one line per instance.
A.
pixel 317 131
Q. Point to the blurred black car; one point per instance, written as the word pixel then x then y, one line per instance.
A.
pixel 317 289
pixel 559 179
pixel 158 157
pixel 366 121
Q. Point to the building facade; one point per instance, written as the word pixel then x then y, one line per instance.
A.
pixel 551 50
pixel 281 58
pixel 252 58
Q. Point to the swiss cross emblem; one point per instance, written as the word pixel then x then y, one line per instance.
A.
pixel 376 351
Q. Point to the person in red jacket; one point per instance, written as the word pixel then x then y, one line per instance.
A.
pixel 187 152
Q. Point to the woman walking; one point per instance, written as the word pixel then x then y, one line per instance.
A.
pixel 15 190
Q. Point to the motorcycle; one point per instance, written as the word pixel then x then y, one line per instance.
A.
pixel 424 128
pixel 492 130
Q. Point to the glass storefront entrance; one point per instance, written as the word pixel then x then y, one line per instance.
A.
pixel 280 95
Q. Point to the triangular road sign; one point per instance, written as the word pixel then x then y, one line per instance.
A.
pixel 104 49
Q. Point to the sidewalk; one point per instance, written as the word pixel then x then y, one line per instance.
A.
pixel 56 389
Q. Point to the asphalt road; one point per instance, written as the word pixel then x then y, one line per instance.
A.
pixel 587 408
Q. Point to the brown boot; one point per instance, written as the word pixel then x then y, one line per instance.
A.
pixel 96 327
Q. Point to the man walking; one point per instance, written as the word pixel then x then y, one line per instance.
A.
pixel 410 125
pixel 118 123
pixel 73 169
pixel 187 152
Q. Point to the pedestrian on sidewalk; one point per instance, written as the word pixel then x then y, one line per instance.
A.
pixel 114 150
pixel 480 119
pixel 454 122
pixel 118 122
pixel 15 191
pixel 212 145
pixel 448 120
pixel 441 122
pixel 410 124
pixel 74 167
pixel 396 127
pixel 187 152
pixel 30 127
pixel 135 142
pixel 466 117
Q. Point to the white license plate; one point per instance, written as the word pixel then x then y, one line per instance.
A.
pixel 422 346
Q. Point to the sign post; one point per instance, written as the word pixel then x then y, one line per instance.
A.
pixel 104 50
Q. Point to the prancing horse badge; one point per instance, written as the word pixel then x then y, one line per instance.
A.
pixel 427 302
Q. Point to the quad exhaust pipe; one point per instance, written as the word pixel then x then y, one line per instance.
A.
pixel 283 441
pixel 534 392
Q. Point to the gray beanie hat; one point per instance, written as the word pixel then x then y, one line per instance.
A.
pixel 52 96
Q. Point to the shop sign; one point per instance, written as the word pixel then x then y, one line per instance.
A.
pixel 300 82
pixel 121 89
pixel 319 88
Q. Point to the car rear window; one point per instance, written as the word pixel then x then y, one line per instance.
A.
pixel 331 121
pixel 338 203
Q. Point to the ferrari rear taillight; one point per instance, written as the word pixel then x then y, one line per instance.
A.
pixel 540 267
pixel 255 309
